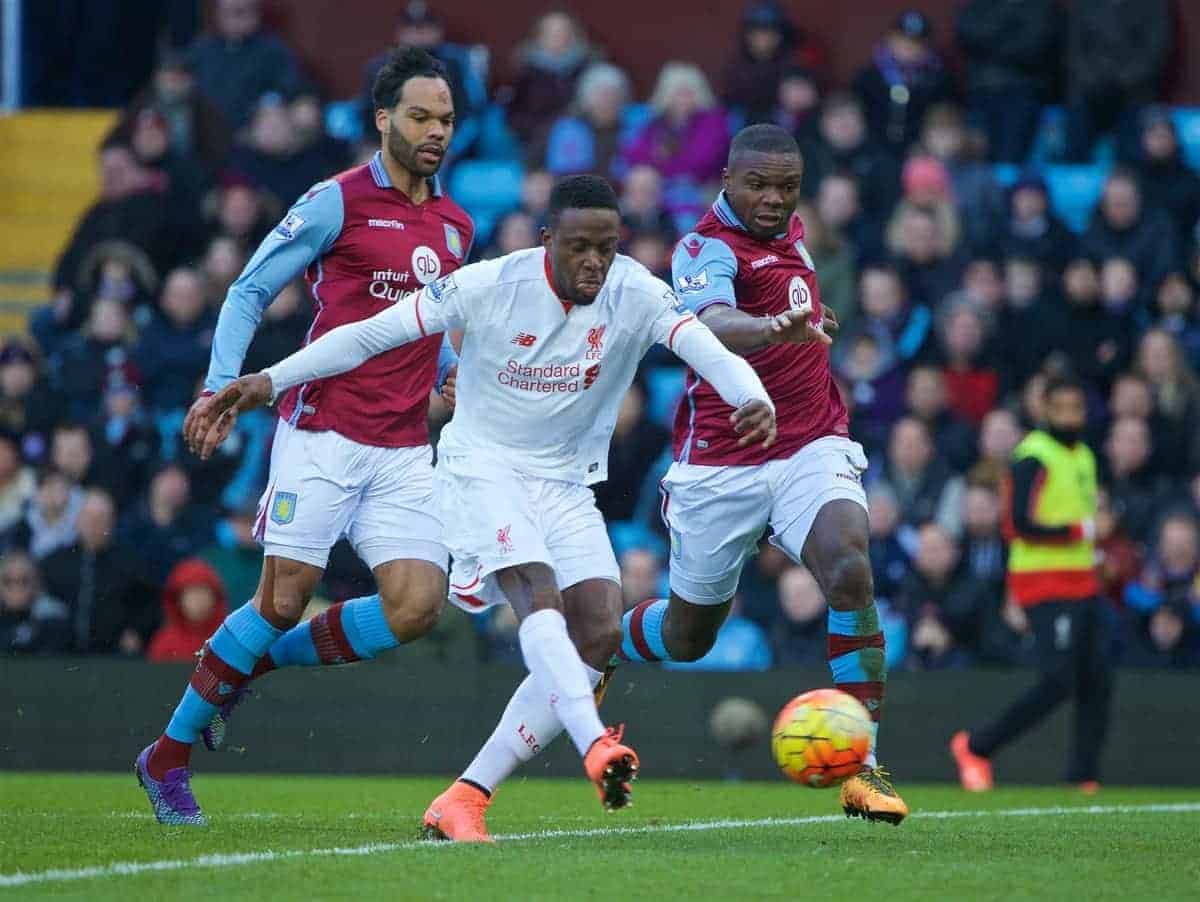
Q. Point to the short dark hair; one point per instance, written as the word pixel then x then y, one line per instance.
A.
pixel 399 68
pixel 1064 380
pixel 580 192
pixel 763 138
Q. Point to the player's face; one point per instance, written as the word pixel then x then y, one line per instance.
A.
pixel 1066 411
pixel 763 190
pixel 417 130
pixel 581 247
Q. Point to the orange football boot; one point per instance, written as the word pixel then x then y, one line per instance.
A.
pixel 869 794
pixel 612 767
pixel 457 815
pixel 974 771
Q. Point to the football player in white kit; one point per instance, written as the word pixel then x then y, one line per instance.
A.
pixel 552 338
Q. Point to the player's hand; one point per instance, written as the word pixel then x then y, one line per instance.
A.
pixel 754 422
pixel 447 389
pixel 214 423
pixel 199 407
pixel 829 321
pixel 794 327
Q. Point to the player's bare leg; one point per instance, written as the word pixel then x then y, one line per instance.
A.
pixel 836 553
pixel 411 596
pixel 228 660
pixel 529 723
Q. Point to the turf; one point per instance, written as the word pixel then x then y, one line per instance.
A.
pixel 1133 844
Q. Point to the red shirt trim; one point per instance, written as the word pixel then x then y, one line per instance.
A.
pixel 1037 586
pixel 674 329
pixel 417 308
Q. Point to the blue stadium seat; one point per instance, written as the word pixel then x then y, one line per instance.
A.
pixel 344 120
pixel 665 385
pixel 1187 121
pixel 486 187
pixel 1006 174
pixel 634 116
pixel 1050 142
pixel 496 139
pixel 1074 191
pixel 627 535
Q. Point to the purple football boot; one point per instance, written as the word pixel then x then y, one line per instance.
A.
pixel 171 798
pixel 213 734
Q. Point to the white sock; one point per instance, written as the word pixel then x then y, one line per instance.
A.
pixel 558 675
pixel 527 726
pixel 870 759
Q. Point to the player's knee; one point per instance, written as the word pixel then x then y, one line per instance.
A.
pixel 850 585
pixel 413 614
pixel 601 642
pixel 284 596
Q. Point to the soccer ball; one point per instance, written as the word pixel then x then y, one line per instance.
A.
pixel 821 737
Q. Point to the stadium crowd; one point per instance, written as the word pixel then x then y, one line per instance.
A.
pixel 962 274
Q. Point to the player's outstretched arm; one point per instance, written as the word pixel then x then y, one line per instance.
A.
pixel 744 334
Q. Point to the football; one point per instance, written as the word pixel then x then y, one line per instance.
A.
pixel 821 737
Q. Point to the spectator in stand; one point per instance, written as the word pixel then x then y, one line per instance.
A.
pixel 925 487
pixel 985 556
pixel 642 207
pixel 223 261
pixel 641 574
pixel 78 369
pixel 1137 492
pixel 1120 290
pixel 1030 228
pixel 1118 557
pixel 890 558
pixel 241 212
pixel 515 231
pixel 906 76
pixel 1176 395
pixel 636 444
pixel 174 346
pixel 1174 307
pixel 999 436
pixel 419 26
pixel 132 208
pixel 687 140
pixel 1168 639
pixel 839 208
pixel 833 257
pixel 1167 183
pixel 1097 340
pixel 981 288
pixel 114 270
pixel 1010 47
pixel 165 527
pixel 535 193
pixel 286 321
pixel 550 64
pixel 924 254
pixel 1029 326
pixel 588 137
pixel 926 400
pixel 902 326
pixel 652 249
pixel 235 554
pixel 940 602
pixel 1123 226
pixel 769 45
pixel 17 483
pixel 195 125
pixel 798 635
pixel 798 103
pixel 274 156
pixel 1116 54
pixel 125 440
pixel 873 378
pixel 49 521
pixel 927 187
pixel 1169 581
pixel 844 144
pixel 71 453
pixel 194 604
pixel 29 407
pixel 972 384
pixel 974 190
pixel 113 606
pixel 31 622
pixel 240 61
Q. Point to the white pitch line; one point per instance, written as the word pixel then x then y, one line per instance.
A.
pixel 238 859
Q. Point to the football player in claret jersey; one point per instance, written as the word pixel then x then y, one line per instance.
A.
pixel 744 265
pixel 351 454
pixel 552 338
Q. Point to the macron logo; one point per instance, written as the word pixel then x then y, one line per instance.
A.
pixel 524 339
pixel 385 224
pixel 763 261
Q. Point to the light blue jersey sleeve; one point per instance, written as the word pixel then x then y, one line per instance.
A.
pixel 703 270
pixel 447 360
pixel 307 232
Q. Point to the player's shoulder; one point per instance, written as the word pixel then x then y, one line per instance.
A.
pixel 505 271
pixel 698 249
pixel 628 276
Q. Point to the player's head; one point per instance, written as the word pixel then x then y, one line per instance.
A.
pixel 762 178
pixel 581 236
pixel 414 110
pixel 1065 403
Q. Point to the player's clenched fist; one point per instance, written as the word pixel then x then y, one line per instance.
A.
pixel 754 422
pixel 213 421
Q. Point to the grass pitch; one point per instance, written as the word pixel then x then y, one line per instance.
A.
pixel 92 837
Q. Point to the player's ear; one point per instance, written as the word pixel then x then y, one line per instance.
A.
pixel 547 239
pixel 381 120
pixel 725 179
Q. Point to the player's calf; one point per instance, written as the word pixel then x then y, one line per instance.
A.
pixel 675 630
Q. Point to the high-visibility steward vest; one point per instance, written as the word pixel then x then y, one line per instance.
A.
pixel 1061 569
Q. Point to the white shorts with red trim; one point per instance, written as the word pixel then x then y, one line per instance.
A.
pixel 716 515
pixel 498 517
pixel 324 486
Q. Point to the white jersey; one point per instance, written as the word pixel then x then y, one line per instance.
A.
pixel 540 381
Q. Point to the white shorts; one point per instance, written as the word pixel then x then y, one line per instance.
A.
pixel 501 518
pixel 324 486
pixel 716 515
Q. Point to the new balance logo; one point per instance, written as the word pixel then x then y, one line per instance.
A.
pixel 524 339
